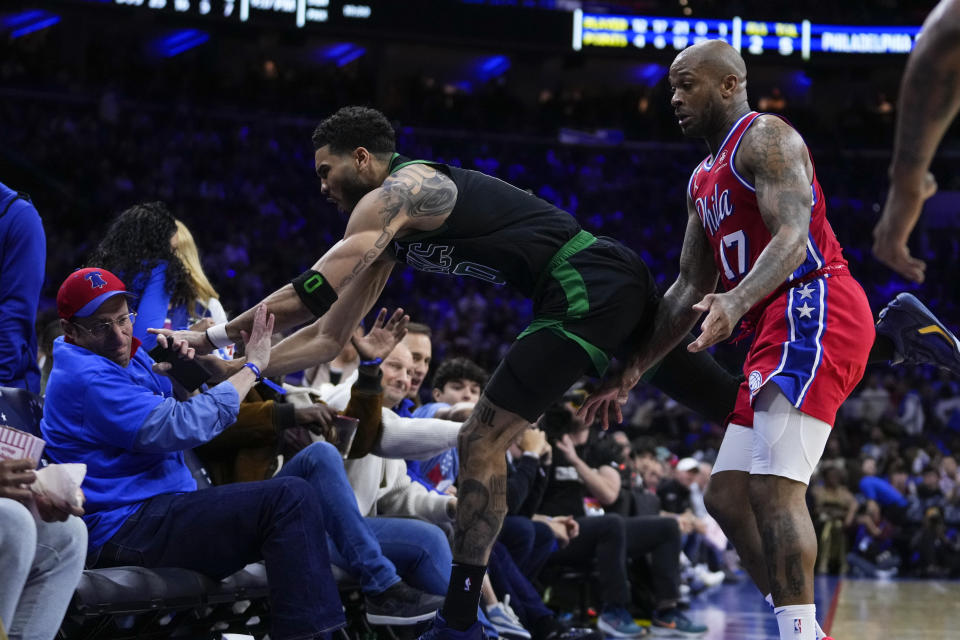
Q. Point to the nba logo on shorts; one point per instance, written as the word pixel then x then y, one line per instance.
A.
pixel 797 625
pixel 755 380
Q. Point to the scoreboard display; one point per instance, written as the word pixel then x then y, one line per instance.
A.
pixel 592 30
pixel 520 26
pixel 294 12
pixel 528 24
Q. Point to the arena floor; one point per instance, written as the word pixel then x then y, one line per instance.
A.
pixel 848 609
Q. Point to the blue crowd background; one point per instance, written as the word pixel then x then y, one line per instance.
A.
pixel 231 156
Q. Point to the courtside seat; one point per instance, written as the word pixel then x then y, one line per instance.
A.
pixel 135 602
pixel 121 590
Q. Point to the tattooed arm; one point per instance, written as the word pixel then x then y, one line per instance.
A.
pixel 322 341
pixel 415 198
pixel 774 157
pixel 929 101
pixel 675 314
pixel 674 318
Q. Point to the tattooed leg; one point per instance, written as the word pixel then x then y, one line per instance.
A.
pixel 481 506
pixel 787 537
pixel 482 495
pixel 724 501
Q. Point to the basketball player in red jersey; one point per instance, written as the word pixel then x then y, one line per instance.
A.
pixel 929 101
pixel 756 219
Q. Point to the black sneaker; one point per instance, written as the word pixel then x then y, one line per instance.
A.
pixel 402 605
pixel 575 633
pixel 918 336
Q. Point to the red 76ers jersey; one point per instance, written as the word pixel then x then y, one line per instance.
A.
pixel 727 206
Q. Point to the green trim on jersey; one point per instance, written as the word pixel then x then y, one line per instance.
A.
pixel 577 243
pixel 574 288
pixel 405 164
pixel 421 235
pixel 578 303
pixel 599 357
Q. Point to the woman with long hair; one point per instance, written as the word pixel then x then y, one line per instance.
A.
pixel 207 300
pixel 155 255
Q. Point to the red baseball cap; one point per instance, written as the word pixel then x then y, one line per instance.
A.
pixel 84 290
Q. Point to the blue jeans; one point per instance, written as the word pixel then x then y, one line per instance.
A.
pixel 353 546
pixel 530 543
pixel 375 550
pixel 507 578
pixel 220 530
pixel 419 551
pixel 40 566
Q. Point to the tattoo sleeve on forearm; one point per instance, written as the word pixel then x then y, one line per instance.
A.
pixel 777 157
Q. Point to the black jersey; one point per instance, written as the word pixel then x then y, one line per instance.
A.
pixel 496 232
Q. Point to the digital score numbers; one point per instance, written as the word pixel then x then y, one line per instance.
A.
pixel 298 12
pixel 751 36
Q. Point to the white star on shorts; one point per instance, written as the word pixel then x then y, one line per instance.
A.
pixel 806 292
pixel 805 310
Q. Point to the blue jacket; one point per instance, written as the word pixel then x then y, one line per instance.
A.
pixel 23 256
pixel 153 305
pixel 440 471
pixel 125 425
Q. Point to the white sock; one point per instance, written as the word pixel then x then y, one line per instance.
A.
pixel 797 622
pixel 820 633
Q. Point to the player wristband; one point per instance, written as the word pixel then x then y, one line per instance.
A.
pixel 376 362
pixel 217 335
pixel 267 381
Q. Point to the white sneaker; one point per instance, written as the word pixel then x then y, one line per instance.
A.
pixel 505 620
pixel 707 577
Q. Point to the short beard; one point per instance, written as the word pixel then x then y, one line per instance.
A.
pixel 353 191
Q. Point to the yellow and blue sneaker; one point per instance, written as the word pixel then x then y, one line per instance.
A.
pixel 918 336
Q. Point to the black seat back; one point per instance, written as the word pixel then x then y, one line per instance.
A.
pixel 21 410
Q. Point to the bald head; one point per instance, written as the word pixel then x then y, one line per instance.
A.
pixel 715 58
pixel 709 82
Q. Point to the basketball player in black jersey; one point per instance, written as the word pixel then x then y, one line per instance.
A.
pixel 591 296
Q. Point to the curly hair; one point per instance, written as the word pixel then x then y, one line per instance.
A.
pixel 459 369
pixel 136 242
pixel 353 127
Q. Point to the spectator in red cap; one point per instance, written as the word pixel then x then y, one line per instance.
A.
pixel 108 405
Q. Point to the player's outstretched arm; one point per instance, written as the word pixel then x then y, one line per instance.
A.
pixel 929 101
pixel 676 314
pixel 415 198
pixel 775 157
pixel 674 318
pixel 321 341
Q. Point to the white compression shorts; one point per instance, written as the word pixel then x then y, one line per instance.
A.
pixel 784 441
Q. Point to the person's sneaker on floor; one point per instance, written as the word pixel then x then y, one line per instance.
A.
pixel 707 577
pixel 672 623
pixel 402 605
pixel 616 622
pixel 574 633
pixel 918 336
pixel 505 620
pixel 440 631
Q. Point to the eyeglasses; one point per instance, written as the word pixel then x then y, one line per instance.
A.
pixel 101 329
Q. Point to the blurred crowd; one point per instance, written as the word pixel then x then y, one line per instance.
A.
pixel 886 498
